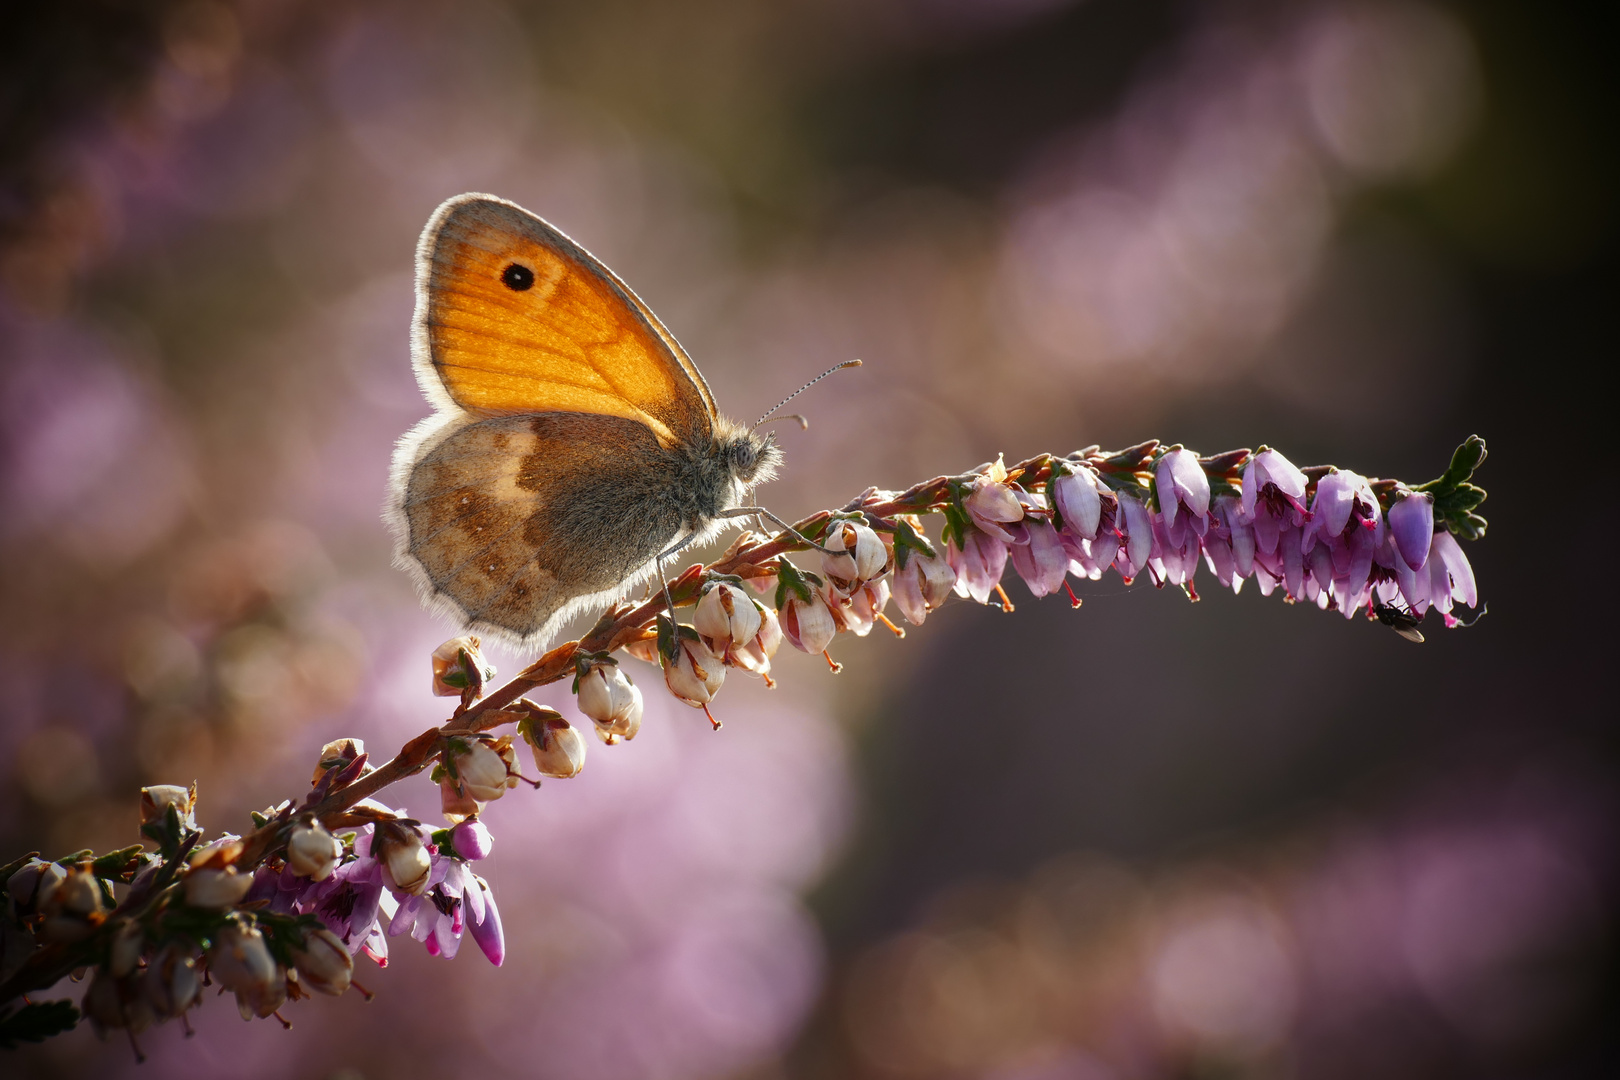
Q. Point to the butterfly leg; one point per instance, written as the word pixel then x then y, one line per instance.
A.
pixel 760 511
pixel 671 553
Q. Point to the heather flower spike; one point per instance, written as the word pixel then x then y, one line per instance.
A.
pixel 332 874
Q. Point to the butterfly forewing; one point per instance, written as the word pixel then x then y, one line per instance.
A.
pixel 574 440
pixel 558 333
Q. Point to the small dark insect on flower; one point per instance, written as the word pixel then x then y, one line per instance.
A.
pixel 1398 618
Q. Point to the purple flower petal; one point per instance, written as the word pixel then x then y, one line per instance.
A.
pixel 1412 522
pixel 1461 584
pixel 486 931
pixel 1079 503
pixel 1335 495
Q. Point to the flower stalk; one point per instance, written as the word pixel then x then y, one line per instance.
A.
pixel 326 877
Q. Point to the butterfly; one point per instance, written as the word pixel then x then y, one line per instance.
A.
pixel 574 441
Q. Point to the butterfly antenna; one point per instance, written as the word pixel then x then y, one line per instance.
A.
pixel 806 386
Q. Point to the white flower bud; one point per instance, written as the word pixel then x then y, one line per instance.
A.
pixel 484 771
pixel 336 753
pixel 861 554
pixel 459 668
pixel 312 851
pixel 324 963
pixel 938 579
pixel 695 674
pixel 156 800
pixel 404 857
pixel 612 702
pixel 74 908
pixel 559 751
pixel 30 888
pixel 922 585
pixel 171 982
pixel 217 889
pixel 125 952
pixel 112 1002
pixel 725 616
pixel 755 656
pixel 808 624
pixel 241 962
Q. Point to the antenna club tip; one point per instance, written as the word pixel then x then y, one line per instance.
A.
pixel 850 363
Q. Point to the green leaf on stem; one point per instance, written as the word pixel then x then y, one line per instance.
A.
pixel 1455 498
pixel 36 1022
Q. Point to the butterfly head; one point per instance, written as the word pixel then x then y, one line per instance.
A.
pixel 750 457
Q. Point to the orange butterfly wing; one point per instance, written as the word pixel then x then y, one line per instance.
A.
pixel 559 333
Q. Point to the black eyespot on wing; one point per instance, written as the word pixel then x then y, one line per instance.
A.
pixel 518 278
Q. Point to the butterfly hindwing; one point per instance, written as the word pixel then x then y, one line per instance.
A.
pixel 514 317
pixel 513 542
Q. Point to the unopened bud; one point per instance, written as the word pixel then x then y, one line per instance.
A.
pixel 156 800
pixel 558 749
pixel 1078 499
pixel 611 700
pixel 112 1002
pixel 336 754
pixel 312 851
pixel 459 667
pixel 808 624
pixel 726 615
pixel 240 961
pixel 171 982
pixel 323 963
pixel 404 857
pixel 755 655
pixel 74 908
pixel 217 889
pixel 694 674
pixel 472 840
pixel 485 768
pixel 29 889
pixel 125 951
pixel 861 554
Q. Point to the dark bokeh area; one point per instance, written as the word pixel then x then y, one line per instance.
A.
pixel 1144 838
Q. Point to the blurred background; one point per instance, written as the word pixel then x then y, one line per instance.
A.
pixel 1142 839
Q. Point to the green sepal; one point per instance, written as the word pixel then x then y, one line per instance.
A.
pixel 1058 470
pixel 284 934
pixel 440 838
pixel 666 640
pixel 790 578
pixel 119 865
pixel 198 925
pixel 907 540
pixel 587 660
pixel 1133 458
pixel 957 523
pixel 166 832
